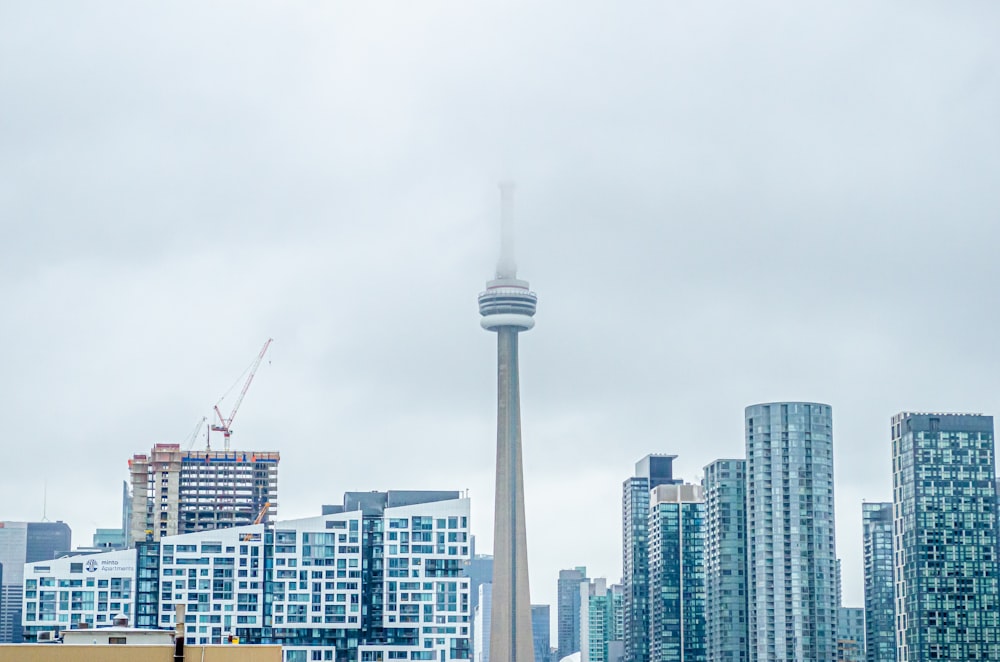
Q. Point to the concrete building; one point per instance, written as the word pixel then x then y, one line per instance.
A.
pixel 568 610
pixel 851 634
pixel 376 579
pixel 176 492
pixel 507 307
pixel 541 632
pixel 880 605
pixel 946 570
pixel 482 621
pixel 726 619
pixel 20 543
pixel 792 567
pixel 650 472
pixel 676 574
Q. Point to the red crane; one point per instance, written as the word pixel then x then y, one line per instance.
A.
pixel 225 424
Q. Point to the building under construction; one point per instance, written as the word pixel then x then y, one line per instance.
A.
pixel 177 491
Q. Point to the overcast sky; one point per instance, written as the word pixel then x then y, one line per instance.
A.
pixel 718 204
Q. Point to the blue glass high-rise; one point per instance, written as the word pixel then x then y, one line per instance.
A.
pixel 880 608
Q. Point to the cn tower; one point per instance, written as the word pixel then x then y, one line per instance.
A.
pixel 507 307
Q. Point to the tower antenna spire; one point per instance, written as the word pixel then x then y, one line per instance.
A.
pixel 506 267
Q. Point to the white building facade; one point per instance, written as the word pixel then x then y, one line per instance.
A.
pixel 377 579
pixel 65 593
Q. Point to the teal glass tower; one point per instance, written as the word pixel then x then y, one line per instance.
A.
pixel 880 607
pixel 507 307
pixel 944 509
pixel 726 633
pixel 676 574
pixel 650 472
pixel 792 556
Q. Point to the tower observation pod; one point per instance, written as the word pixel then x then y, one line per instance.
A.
pixel 507 307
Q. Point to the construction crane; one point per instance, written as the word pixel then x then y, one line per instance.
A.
pixel 258 520
pixel 225 424
pixel 189 444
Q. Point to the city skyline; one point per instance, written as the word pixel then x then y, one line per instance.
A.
pixel 170 203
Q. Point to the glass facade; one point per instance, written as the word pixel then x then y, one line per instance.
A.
pixel 540 631
pixel 792 566
pixel 880 609
pixel 651 471
pixel 726 633
pixel 676 574
pixel 944 508
pixel 568 627
pixel 851 634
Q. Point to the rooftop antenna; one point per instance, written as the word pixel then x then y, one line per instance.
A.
pixel 45 500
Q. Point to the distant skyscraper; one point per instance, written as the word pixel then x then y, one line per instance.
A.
pixel 880 606
pixel 541 631
pixel 568 625
pixel 726 633
pixel 479 571
pixel 851 634
pixel 651 471
pixel 600 617
pixel 676 574
pixel 176 492
pixel 20 543
pixel 792 567
pixel 482 623
pixel 507 307
pixel 946 568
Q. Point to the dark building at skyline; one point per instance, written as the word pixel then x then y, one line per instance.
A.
pixel 20 543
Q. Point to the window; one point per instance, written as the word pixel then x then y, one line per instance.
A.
pixel 116 640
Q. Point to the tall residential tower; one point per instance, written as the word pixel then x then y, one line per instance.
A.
pixel 650 472
pixel 507 307
pixel 792 566
pixel 726 560
pixel 944 506
pixel 880 607
pixel 676 574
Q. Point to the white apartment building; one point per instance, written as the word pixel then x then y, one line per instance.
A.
pixel 377 579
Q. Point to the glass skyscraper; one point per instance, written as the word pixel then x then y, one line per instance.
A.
pixel 792 568
pixel 880 608
pixel 676 574
pixel 726 633
pixel 540 627
pixel 651 471
pixel 568 610
pixel 944 508
pixel 20 543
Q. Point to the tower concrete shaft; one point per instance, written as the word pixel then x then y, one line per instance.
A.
pixel 507 307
